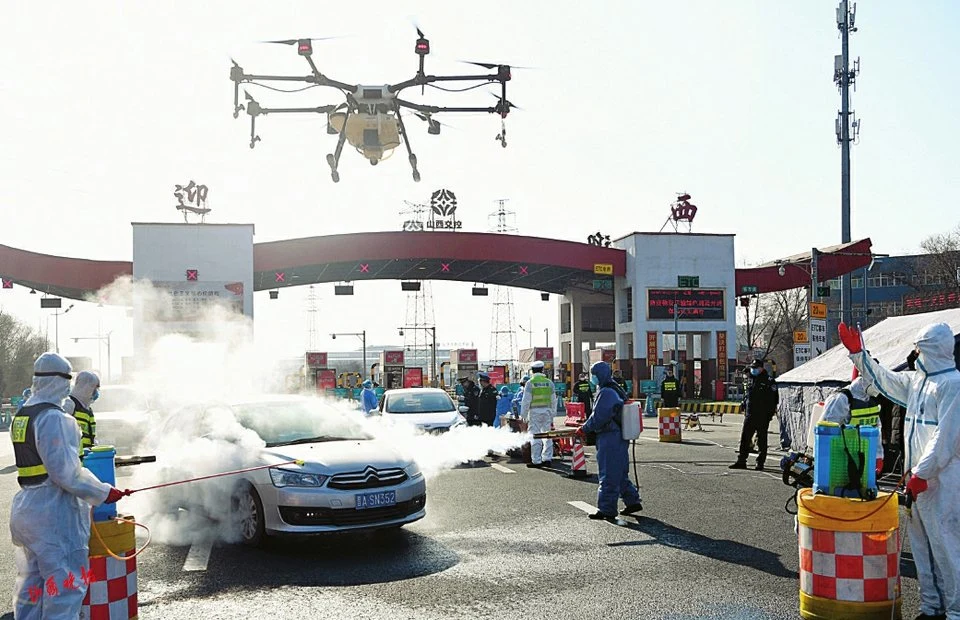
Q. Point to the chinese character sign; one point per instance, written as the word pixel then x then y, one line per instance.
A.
pixel 651 349
pixel 692 304
pixel 721 363
pixel 818 337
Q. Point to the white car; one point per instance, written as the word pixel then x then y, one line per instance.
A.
pixel 348 480
pixel 429 409
pixel 122 414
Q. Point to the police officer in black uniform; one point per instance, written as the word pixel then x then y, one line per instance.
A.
pixel 487 400
pixel 471 399
pixel 670 389
pixel 583 390
pixel 759 405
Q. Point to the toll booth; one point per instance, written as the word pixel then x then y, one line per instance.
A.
pixel 538 354
pixel 317 375
pixel 463 363
pixel 391 364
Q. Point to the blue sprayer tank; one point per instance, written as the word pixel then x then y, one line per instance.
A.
pixel 833 445
pixel 100 461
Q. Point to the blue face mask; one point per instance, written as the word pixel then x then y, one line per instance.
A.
pixel 96 395
pixel 755 372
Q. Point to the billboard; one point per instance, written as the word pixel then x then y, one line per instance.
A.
pixel 928 302
pixel 466 356
pixel 326 379
pixel 412 377
pixel 316 359
pixel 694 304
pixel 393 358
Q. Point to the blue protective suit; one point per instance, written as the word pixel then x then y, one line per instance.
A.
pixel 517 399
pixel 931 395
pixel 504 405
pixel 369 400
pixel 613 458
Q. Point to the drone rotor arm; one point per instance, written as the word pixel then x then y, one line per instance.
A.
pixel 423 80
pixel 432 109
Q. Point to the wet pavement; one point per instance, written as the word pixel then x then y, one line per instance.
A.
pixel 711 543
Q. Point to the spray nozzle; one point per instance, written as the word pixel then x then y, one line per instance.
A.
pixel 299 462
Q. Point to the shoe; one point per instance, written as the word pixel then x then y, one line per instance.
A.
pixel 759 467
pixel 535 465
pixel 931 617
pixel 632 509
pixel 597 516
pixel 738 465
pixel 547 463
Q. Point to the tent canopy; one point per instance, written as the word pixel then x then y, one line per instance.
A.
pixel 890 341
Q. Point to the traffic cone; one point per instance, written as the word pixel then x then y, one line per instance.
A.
pixel 578 464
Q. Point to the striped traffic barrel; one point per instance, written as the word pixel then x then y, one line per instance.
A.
pixel 112 590
pixel 849 557
pixel 668 419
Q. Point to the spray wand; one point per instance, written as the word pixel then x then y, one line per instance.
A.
pixel 225 473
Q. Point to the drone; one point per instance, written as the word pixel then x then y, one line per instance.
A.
pixel 369 119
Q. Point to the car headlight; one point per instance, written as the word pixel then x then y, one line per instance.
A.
pixel 461 421
pixel 286 478
pixel 413 470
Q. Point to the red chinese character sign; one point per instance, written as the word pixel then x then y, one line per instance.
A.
pixel 316 359
pixel 467 356
pixel 721 364
pixel 695 304
pixel 326 379
pixel 543 354
pixel 393 358
pixel 496 375
pixel 412 377
pixel 651 349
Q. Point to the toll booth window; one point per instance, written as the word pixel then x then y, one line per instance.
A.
pixel 430 402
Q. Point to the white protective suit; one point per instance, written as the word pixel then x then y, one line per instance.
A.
pixel 540 418
pixel 931 396
pixel 836 409
pixel 50 522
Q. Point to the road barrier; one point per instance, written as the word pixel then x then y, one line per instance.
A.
pixel 849 557
pixel 112 593
pixel 576 414
pixel 578 462
pixel 668 419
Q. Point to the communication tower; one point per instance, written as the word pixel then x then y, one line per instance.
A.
pixel 419 315
pixel 847 128
pixel 312 319
pixel 503 332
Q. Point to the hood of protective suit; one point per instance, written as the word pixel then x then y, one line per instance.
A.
pixel 84 386
pixel 504 391
pixel 936 348
pixel 50 388
pixel 602 371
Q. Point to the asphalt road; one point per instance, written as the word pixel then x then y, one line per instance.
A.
pixel 504 541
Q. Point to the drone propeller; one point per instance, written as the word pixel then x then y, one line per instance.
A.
pixel 430 119
pixel 506 101
pixel 494 65
pixel 295 41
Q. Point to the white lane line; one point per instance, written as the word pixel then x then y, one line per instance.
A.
pixel 500 467
pixel 584 506
pixel 198 556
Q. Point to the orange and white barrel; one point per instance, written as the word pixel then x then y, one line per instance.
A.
pixel 112 590
pixel 668 419
pixel 578 463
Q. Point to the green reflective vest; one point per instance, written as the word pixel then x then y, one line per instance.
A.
pixel 863 412
pixel 542 391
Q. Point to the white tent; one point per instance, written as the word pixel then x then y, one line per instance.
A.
pixel 890 341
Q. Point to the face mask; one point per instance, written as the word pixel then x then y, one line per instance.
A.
pixel 96 395
pixel 755 372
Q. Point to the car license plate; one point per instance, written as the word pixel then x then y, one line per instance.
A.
pixel 376 500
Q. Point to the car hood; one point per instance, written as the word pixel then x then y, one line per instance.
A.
pixel 336 456
pixel 444 419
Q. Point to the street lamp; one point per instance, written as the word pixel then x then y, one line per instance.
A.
pixel 56 325
pixel 362 336
pixel 100 339
pixel 433 353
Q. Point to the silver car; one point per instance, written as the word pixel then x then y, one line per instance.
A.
pixel 348 480
pixel 429 409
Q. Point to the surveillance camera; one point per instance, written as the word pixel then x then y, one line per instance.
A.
pixel 781 271
pixel 334 336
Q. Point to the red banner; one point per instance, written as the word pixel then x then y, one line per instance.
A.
pixel 543 354
pixel 393 358
pixel 496 375
pixel 316 359
pixel 412 377
pixel 651 349
pixel 721 364
pixel 326 379
pixel 467 356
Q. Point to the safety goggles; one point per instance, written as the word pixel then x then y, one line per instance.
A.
pixel 62 375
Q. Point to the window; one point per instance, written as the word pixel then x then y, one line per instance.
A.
pixel 856 282
pixel 835 283
pixel 626 306
pixel 564 318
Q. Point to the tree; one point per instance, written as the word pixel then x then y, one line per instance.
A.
pixel 941 260
pixel 20 346
pixel 771 320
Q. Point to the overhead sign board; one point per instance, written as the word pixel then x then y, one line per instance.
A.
pixel 818 310
pixel 800 337
pixel 688 281
pixel 603 269
pixel 928 302
pixel 749 289
pixel 393 358
pixel 50 302
pixel 693 304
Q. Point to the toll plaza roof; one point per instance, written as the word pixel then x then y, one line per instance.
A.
pixel 548 265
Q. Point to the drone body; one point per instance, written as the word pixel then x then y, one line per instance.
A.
pixel 370 118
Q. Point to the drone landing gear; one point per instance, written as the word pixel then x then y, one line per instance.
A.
pixel 502 136
pixel 333 159
pixel 406 142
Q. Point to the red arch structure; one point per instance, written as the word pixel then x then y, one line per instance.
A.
pixel 548 265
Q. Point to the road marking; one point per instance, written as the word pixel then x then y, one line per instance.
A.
pixel 584 506
pixel 198 556
pixel 500 467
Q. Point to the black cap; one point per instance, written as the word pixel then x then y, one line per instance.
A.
pixel 756 364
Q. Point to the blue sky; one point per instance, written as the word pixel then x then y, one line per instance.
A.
pixel 108 105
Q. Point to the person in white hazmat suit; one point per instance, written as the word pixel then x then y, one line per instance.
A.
pixel 50 515
pixel 538 407
pixel 931 396
pixel 86 390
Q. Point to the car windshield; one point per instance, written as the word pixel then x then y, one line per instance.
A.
pixel 285 422
pixel 419 402
pixel 120 399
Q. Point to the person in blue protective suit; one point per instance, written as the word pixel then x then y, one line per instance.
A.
pixel 504 404
pixel 26 397
pixel 613 459
pixel 50 515
pixel 368 397
pixel 931 395
pixel 518 397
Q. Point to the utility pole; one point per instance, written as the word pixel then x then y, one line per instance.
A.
pixel 847 130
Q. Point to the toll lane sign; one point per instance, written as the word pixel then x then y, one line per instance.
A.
pixel 818 337
pixel 603 269
pixel 818 310
pixel 800 337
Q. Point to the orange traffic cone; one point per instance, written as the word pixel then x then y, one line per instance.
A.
pixel 578 466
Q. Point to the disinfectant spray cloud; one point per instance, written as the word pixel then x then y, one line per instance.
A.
pixel 196 370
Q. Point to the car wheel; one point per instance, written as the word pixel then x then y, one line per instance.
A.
pixel 248 515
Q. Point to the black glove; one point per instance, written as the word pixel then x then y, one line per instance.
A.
pixel 912 360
